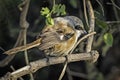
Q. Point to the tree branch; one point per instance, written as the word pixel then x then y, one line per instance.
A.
pixel 34 66
pixel 89 67
pixel 91 25
pixel 23 25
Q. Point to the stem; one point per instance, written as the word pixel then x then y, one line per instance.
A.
pixel 85 13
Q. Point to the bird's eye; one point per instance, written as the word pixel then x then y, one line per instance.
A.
pixel 78 27
pixel 60 31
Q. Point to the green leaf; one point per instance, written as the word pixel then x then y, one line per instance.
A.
pixel 63 10
pixel 102 24
pixel 59 10
pixel 108 39
pixel 45 11
pixel 56 9
pixel 49 21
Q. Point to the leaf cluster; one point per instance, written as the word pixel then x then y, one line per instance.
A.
pixel 107 37
pixel 57 9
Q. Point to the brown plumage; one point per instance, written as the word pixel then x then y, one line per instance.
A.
pixel 57 39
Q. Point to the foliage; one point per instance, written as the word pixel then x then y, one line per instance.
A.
pixel 107 37
pixel 57 9
pixel 102 24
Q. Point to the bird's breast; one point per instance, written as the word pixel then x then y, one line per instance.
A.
pixel 63 48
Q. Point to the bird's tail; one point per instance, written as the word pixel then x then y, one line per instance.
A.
pixel 23 48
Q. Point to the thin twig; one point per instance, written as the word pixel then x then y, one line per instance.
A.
pixel 113 22
pixel 53 2
pixel 115 10
pixel 77 74
pixel 114 5
pixel 19 41
pixel 2 49
pixel 90 39
pixel 63 71
pixel 91 25
pixel 81 39
pixel 14 70
pixel 24 24
pixel 85 13
pixel 69 74
pixel 100 6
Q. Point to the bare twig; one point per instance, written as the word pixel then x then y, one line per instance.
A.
pixel 101 6
pixel 69 74
pixel 91 25
pixel 63 70
pixel 85 13
pixel 14 70
pixel 19 41
pixel 2 49
pixel 34 66
pixel 77 74
pixel 84 37
pixel 22 35
pixel 24 24
pixel 114 5
pixel 113 22
pixel 90 39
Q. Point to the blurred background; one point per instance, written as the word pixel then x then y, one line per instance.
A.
pixel 107 16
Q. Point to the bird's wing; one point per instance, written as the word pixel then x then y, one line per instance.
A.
pixel 49 40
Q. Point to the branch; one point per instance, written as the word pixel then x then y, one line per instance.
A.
pixel 90 39
pixel 24 9
pixel 77 74
pixel 91 26
pixel 85 13
pixel 34 66
pixel 23 25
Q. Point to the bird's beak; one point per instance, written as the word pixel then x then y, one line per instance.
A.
pixel 83 33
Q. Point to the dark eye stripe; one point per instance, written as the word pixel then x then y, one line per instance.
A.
pixel 68 36
pixel 60 31
pixel 78 27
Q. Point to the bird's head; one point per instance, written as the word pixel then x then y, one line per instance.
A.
pixel 70 25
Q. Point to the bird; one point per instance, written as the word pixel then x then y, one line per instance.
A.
pixel 57 39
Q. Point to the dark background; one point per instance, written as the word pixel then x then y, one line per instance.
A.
pixel 106 68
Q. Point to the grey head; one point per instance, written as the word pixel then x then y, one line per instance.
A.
pixel 73 22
